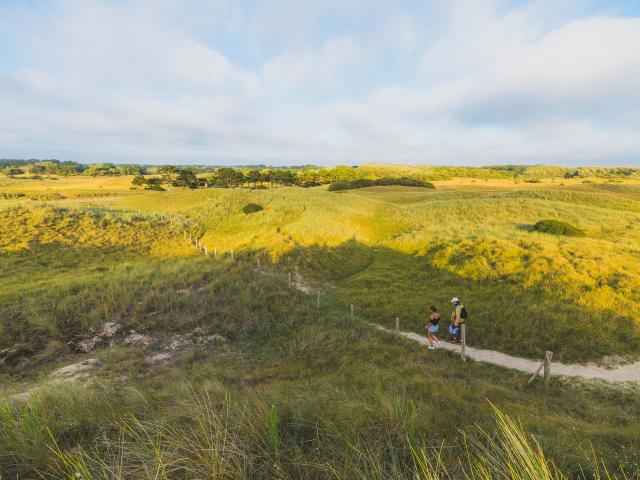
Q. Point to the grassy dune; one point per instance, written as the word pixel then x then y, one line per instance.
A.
pixel 300 392
pixel 528 291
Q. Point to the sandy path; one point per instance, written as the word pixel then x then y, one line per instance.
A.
pixel 623 373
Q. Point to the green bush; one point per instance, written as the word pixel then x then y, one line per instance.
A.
pixel 385 181
pixel 557 227
pixel 252 208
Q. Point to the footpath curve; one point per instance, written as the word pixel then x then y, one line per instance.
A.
pixel 623 373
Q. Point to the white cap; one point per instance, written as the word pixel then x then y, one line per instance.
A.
pixel 454 299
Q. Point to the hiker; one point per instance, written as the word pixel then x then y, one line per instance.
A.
pixel 458 316
pixel 432 327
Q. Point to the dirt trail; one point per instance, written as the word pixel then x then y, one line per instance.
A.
pixel 622 373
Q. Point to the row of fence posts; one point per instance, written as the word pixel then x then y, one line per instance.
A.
pixel 545 365
pixel 205 250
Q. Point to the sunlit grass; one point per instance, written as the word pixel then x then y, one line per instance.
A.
pixel 302 392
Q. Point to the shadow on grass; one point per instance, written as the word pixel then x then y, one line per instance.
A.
pixel 380 282
pixel 384 284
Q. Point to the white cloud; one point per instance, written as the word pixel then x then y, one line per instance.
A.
pixel 221 81
pixel 306 67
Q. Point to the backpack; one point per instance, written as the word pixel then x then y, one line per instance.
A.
pixel 463 313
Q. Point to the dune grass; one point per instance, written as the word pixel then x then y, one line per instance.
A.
pixel 298 392
pixel 301 392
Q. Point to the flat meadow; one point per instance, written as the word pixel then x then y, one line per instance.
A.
pixel 297 391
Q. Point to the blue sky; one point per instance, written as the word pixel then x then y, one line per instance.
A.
pixel 340 81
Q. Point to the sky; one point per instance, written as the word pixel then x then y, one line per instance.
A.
pixel 469 82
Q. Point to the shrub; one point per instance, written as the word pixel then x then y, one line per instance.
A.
pixel 385 181
pixel 557 227
pixel 252 208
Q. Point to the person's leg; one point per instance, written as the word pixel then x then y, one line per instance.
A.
pixel 430 338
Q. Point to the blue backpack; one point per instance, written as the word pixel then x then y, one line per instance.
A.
pixel 454 329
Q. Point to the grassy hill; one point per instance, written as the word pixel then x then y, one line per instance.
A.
pixel 301 392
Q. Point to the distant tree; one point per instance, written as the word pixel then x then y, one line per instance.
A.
pixel 308 178
pixel 168 173
pixel 139 181
pixel 132 169
pixel 284 177
pixel 38 169
pixel 267 176
pixel 229 177
pixel 154 183
pixel 185 178
pixel 102 169
pixel 13 171
pixel 254 176
pixel 71 168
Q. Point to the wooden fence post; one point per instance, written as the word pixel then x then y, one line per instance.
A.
pixel 289 278
pixel 215 253
pixel 547 367
pixel 397 324
pixel 463 342
pixel 206 252
pixel 258 263
pixel 352 310
pixel 232 254
pixel 318 301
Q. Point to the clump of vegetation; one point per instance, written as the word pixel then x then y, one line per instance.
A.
pixel 252 208
pixel 11 195
pixel 556 227
pixel 46 196
pixel 385 181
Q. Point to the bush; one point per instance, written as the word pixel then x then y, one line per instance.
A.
pixel 252 208
pixel 155 187
pixel 385 181
pixel 557 227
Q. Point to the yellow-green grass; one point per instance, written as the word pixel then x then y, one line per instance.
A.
pixel 337 387
pixel 527 291
pixel 522 286
pixel 297 391
pixel 61 184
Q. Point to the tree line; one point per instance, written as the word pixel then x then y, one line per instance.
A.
pixel 203 176
pixel 226 177
pixel 13 167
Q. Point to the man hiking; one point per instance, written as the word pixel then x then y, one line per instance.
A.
pixel 458 316
pixel 432 326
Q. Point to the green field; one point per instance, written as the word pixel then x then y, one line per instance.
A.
pixel 302 392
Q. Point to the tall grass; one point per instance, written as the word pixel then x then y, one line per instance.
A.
pixel 223 439
pixel 298 396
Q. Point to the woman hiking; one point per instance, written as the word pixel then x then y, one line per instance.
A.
pixel 432 327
